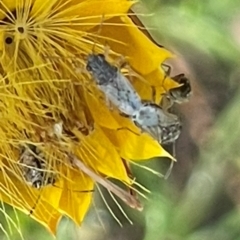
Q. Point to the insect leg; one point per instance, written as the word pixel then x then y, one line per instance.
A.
pixel 125 128
pixel 153 94
pixel 121 62
pixel 167 69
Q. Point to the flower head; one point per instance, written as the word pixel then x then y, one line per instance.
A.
pixel 51 107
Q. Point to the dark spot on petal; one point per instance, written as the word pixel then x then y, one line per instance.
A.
pixel 21 29
pixel 8 40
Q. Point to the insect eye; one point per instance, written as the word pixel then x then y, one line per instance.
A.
pixel 89 68
pixel 183 80
pixel 101 56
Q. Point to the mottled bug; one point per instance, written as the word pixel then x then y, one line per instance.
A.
pixel 34 167
pixel 37 173
pixel 162 126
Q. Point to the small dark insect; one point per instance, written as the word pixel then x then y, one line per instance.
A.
pixel 182 93
pixel 179 94
pixel 116 87
pixel 34 167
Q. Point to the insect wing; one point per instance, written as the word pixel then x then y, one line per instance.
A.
pixel 122 94
pixel 128 93
pixel 103 72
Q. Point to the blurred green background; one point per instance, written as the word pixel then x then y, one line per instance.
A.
pixel 201 198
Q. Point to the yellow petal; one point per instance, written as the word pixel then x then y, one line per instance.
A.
pixel 125 123
pixel 76 195
pixel 99 110
pixel 42 9
pixel 98 152
pixel 83 14
pixel 135 147
pixel 48 216
pixel 27 199
pixel 93 9
pixel 156 80
pixel 143 55
pixel 6 6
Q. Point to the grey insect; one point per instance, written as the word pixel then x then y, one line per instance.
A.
pixel 116 87
pixel 149 117
pixel 34 167
pixel 162 126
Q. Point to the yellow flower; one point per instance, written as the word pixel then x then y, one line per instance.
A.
pixel 43 50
